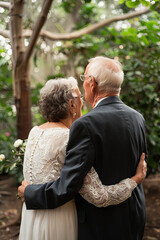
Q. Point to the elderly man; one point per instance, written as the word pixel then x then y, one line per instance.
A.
pixel 111 138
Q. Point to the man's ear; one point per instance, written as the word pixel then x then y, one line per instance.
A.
pixel 72 106
pixel 93 84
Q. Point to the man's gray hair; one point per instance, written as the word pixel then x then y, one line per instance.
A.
pixel 54 98
pixel 107 72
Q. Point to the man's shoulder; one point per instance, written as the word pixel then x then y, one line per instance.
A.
pixel 132 110
pixel 95 114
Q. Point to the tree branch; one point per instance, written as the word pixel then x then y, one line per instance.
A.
pixel 68 36
pixel 4 33
pixel 5 5
pixel 39 24
pixel 87 30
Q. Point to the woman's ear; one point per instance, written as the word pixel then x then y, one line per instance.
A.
pixel 72 106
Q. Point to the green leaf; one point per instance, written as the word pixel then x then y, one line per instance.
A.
pixel 131 34
pixel 144 40
pixel 145 3
pixel 131 4
pixel 154 6
pixel 152 24
pixel 132 30
pixel 152 140
pixel 153 38
pixel 13 166
pixel 121 1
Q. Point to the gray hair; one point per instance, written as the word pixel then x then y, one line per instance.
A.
pixel 54 98
pixel 108 74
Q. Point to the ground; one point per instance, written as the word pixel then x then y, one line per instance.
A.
pixel 10 207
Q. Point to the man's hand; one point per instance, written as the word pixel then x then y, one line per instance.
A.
pixel 21 190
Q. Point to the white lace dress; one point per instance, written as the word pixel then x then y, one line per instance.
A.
pixel 44 158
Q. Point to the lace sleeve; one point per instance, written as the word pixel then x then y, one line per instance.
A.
pixel 100 195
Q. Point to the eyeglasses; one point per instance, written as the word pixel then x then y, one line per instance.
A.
pixel 82 77
pixel 81 97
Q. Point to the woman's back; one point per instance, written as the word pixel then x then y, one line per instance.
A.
pixel 44 158
pixel 45 154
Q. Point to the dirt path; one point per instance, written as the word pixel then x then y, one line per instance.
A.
pixel 10 208
pixel 152 193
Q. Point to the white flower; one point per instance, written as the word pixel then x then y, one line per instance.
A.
pixel 2 157
pixel 18 143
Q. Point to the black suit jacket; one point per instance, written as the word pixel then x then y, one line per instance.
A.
pixel 111 138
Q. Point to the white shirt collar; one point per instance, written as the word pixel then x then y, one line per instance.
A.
pixel 99 101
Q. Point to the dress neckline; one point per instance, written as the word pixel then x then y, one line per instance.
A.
pixel 55 128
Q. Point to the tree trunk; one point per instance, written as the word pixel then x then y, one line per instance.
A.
pixel 20 71
pixel 23 104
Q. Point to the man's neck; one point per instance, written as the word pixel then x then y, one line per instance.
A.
pixel 99 97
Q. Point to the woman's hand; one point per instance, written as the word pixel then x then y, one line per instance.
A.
pixel 141 170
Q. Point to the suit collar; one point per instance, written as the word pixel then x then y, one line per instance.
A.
pixel 108 100
pixel 99 101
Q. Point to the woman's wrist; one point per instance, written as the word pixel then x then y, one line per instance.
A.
pixel 136 179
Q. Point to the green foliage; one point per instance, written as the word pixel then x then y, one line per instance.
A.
pixel 135 3
pixel 7 113
pixel 8 123
pixel 147 32
pixel 37 118
pixel 59 75
pixel 87 13
pixel 132 4
pixel 69 5
pixel 14 164
pixel 141 91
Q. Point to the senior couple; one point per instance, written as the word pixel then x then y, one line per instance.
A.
pixel 88 179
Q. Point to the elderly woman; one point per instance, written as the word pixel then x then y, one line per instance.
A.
pixel 60 105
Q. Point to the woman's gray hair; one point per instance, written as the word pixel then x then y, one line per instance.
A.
pixel 54 98
pixel 107 72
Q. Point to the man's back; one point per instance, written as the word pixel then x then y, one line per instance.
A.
pixel 111 138
pixel 118 135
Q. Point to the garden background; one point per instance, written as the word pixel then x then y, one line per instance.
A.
pixel 41 40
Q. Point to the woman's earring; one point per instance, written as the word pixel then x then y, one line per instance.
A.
pixel 74 114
